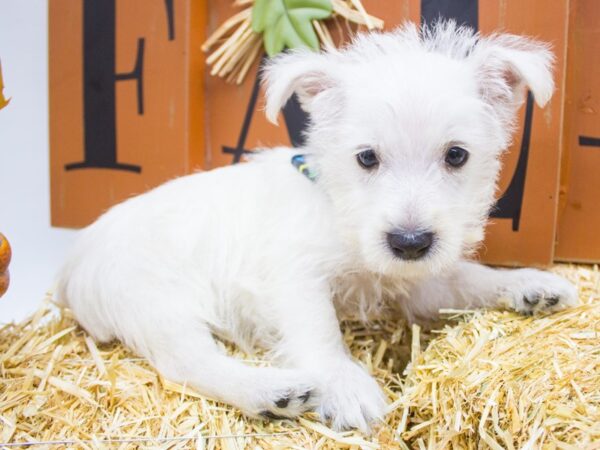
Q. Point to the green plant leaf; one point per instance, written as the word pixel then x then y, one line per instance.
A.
pixel 288 23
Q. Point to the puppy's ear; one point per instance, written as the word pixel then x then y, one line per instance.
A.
pixel 507 65
pixel 303 72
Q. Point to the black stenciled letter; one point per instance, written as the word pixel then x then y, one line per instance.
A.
pixel 510 203
pixel 170 19
pixel 587 141
pixel 99 80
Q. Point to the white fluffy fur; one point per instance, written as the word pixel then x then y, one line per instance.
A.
pixel 258 254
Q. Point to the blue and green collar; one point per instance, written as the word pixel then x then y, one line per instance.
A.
pixel 299 162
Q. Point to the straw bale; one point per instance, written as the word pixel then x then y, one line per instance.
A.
pixel 486 380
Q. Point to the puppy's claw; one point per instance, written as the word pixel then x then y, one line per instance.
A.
pixel 531 301
pixel 305 397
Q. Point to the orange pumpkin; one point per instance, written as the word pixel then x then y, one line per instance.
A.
pixel 5 254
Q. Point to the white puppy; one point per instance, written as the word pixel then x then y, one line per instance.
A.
pixel 405 137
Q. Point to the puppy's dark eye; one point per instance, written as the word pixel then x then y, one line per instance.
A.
pixel 456 157
pixel 367 159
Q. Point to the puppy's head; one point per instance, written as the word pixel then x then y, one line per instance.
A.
pixel 406 132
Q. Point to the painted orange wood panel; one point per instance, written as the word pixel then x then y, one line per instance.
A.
pixel 126 100
pixel 533 242
pixel 578 236
pixel 189 121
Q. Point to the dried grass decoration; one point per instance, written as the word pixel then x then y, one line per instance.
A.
pixel 493 380
pixel 276 25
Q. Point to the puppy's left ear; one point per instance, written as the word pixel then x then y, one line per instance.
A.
pixel 303 72
pixel 506 65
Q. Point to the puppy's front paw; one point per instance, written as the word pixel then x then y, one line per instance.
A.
pixel 351 398
pixel 282 394
pixel 534 291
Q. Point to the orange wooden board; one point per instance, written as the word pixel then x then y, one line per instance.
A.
pixel 578 236
pixel 533 243
pixel 163 136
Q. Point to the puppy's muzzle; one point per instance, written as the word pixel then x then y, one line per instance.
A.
pixel 410 246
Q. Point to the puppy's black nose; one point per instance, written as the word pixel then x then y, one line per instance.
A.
pixel 410 246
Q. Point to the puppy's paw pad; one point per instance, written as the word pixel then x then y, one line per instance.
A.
pixel 294 397
pixel 542 302
pixel 282 402
pixel 536 291
pixel 285 397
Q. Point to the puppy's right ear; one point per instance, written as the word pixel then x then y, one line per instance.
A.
pixel 303 72
pixel 508 65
